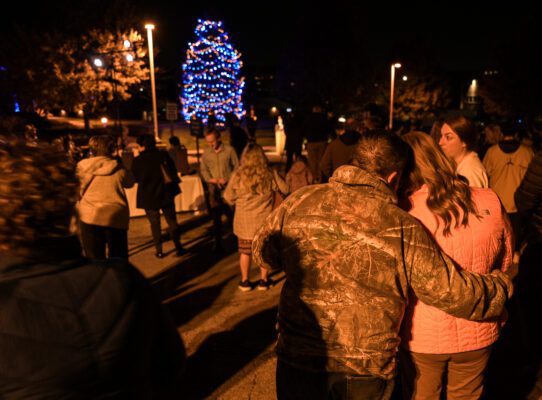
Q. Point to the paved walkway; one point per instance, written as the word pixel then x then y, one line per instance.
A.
pixel 229 334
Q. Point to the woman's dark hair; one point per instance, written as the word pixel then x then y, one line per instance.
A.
pixel 147 141
pixel 102 145
pixel 465 129
pixel 174 141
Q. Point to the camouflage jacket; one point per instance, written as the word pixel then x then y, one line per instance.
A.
pixel 351 255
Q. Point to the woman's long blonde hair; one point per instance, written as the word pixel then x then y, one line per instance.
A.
pixel 449 196
pixel 254 172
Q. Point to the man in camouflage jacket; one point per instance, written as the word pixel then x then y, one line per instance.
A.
pixel 350 256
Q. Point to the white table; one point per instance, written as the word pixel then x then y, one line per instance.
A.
pixel 192 197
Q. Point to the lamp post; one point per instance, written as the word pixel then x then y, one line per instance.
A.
pixel 393 67
pixel 149 28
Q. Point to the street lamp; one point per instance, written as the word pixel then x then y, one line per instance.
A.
pixel 393 67
pixel 149 28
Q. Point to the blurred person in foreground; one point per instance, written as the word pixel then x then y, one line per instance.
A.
pixel 472 228
pixel 71 328
pixel 351 256
pixel 103 208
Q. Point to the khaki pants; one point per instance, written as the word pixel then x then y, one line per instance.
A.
pixel 422 374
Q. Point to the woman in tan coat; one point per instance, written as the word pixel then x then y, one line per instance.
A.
pixel 251 189
pixel 103 208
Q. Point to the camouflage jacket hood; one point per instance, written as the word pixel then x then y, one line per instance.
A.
pixel 351 255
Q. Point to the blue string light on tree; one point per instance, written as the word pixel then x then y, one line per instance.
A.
pixel 211 75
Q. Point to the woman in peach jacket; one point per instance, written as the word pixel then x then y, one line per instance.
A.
pixel 472 228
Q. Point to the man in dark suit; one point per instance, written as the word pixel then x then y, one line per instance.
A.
pixel 158 184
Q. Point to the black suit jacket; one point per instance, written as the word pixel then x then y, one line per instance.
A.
pixel 152 192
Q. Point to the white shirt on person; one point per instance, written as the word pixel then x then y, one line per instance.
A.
pixel 473 170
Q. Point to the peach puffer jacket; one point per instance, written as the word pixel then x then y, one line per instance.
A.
pixel 485 244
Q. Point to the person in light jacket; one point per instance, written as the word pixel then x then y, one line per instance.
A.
pixel 506 164
pixel 472 228
pixel 218 162
pixel 103 207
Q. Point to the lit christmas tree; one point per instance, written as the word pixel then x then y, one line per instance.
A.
pixel 211 75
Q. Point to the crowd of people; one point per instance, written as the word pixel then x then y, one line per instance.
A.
pixel 395 248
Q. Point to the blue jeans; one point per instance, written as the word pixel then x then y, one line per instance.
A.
pixel 295 383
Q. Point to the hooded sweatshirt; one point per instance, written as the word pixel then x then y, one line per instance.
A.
pixel 103 199
pixel 506 164
pixel 298 176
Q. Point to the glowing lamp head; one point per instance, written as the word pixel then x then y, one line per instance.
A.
pixel 98 62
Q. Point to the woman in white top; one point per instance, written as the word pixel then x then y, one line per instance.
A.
pixel 458 140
